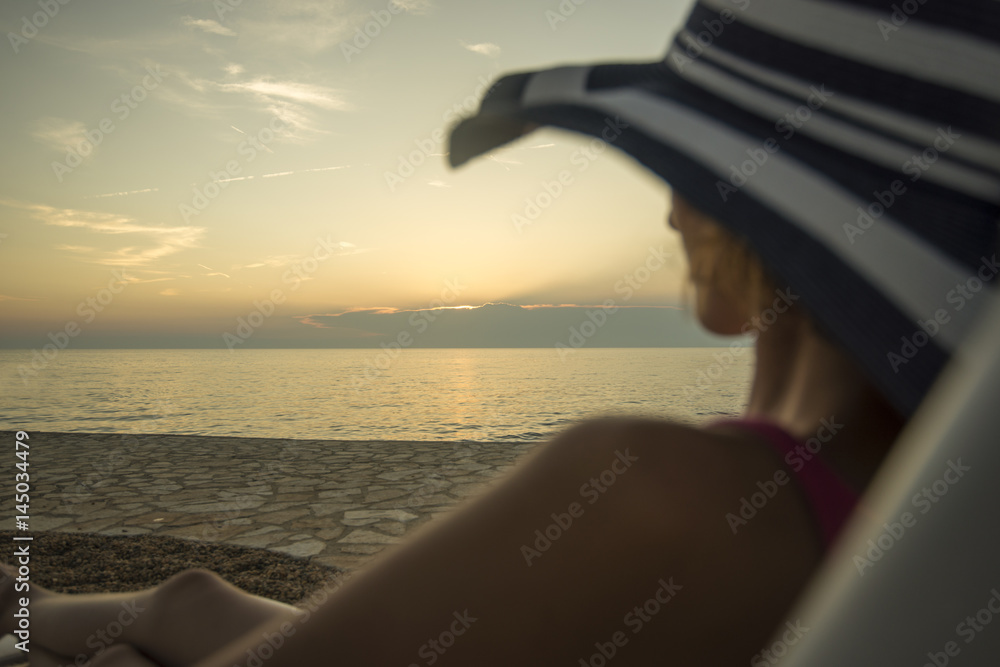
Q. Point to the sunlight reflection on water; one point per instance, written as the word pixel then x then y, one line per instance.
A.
pixel 422 394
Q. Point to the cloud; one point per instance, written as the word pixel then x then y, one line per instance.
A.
pixel 294 103
pixel 123 194
pixel 170 292
pixel 503 161
pixel 135 281
pixel 273 262
pixel 488 49
pixel 303 171
pixel 301 93
pixel 166 240
pixel 315 25
pixel 414 6
pixel 59 134
pixel 208 25
pixel 75 248
pixel 214 272
pixel 508 325
pixel 279 261
pixel 310 25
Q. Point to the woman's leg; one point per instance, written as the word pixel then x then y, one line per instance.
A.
pixel 611 541
pixel 587 543
pixel 177 623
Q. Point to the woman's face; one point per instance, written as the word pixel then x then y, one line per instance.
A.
pixel 719 310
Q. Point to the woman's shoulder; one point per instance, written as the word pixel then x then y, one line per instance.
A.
pixel 717 505
pixel 722 457
pixel 723 484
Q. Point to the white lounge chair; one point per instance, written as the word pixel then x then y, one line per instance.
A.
pixel 932 597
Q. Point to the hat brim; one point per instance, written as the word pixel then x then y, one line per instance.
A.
pixel 792 198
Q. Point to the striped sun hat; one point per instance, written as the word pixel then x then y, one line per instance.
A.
pixel 855 144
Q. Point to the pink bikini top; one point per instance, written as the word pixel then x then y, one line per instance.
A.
pixel 831 499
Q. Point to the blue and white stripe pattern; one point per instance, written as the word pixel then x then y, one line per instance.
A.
pixel 854 143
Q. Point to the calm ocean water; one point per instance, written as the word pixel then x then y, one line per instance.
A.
pixel 441 394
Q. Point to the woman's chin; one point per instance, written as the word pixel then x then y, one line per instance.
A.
pixel 721 319
pixel 722 328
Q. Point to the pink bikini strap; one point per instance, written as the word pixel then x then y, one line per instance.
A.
pixel 831 498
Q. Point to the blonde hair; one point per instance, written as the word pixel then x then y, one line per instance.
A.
pixel 733 266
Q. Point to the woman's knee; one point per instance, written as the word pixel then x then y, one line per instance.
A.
pixel 188 582
pixel 177 594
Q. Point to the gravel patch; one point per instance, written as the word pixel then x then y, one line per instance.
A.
pixel 88 563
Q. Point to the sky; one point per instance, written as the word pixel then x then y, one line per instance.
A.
pixel 241 173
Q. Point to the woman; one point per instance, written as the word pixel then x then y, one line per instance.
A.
pixel 779 125
pixel 664 519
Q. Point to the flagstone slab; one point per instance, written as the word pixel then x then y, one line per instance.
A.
pixel 337 503
pixel 258 541
pixel 384 494
pixel 365 517
pixel 220 508
pixel 303 549
pixel 368 537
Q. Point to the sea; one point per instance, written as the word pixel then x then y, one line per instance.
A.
pixel 479 395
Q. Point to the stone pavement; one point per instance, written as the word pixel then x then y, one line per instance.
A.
pixel 336 503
